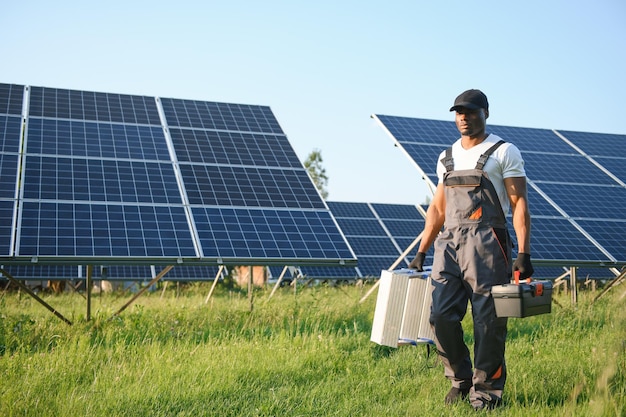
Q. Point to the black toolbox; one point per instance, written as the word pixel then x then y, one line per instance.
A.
pixel 522 299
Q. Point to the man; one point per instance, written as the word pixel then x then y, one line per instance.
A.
pixel 480 179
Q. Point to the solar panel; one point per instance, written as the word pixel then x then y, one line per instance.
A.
pixel 373 247
pixel 577 201
pixel 607 150
pixel 94 106
pixel 7 208
pixel 192 273
pixel 597 144
pixel 404 223
pixel 588 201
pixel 249 195
pixel 583 273
pixel 379 234
pixel 146 273
pixel 351 210
pixel 67 230
pixel 98 180
pixel 10 127
pixel 330 273
pixel 112 272
pixel 609 233
pixel 280 236
pixel 548 272
pixel 540 206
pixel 363 227
pixel 8 175
pixel 250 187
pixel 11 98
pixel 570 168
pixel 423 142
pixel 616 166
pixel 220 116
pixel 122 179
pixel 43 272
pixel 400 212
pixel 528 139
pixel 124 272
pixel 96 140
pixel 556 239
pixel 431 132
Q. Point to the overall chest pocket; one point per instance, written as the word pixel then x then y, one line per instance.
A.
pixel 463 195
pixel 472 180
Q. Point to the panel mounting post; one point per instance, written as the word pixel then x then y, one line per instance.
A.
pixel 88 287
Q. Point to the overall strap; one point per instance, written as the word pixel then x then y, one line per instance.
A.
pixel 483 158
pixel 447 160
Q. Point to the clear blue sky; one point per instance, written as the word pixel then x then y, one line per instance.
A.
pixel 324 67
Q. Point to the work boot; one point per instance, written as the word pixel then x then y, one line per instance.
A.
pixel 486 402
pixel 455 394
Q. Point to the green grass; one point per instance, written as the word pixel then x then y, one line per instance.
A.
pixel 304 354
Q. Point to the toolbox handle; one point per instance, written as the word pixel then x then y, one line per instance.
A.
pixel 537 289
pixel 516 274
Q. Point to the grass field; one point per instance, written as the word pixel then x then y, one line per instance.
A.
pixel 304 353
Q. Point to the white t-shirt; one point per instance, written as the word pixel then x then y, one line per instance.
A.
pixel 505 162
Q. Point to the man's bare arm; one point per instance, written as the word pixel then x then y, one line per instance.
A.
pixel 516 190
pixel 435 217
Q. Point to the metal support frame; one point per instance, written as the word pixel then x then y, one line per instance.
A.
pixel 251 288
pixel 35 296
pixel 219 272
pixel 573 275
pixel 280 279
pixel 621 277
pixel 144 289
pixel 88 289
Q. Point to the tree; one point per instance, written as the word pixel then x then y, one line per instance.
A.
pixel 313 165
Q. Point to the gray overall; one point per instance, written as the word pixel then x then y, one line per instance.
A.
pixel 472 253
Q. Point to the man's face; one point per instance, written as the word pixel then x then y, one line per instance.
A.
pixel 471 122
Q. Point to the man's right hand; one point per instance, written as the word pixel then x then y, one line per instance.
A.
pixel 523 265
pixel 418 262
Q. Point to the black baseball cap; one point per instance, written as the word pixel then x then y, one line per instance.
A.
pixel 471 99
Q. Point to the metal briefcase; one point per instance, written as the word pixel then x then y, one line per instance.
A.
pixel 402 311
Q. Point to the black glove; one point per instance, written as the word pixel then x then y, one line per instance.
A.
pixel 523 265
pixel 418 262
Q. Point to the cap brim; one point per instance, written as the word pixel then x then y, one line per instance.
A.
pixel 470 106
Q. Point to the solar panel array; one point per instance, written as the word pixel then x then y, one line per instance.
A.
pixel 137 272
pixel 577 189
pixel 378 233
pixel 122 179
